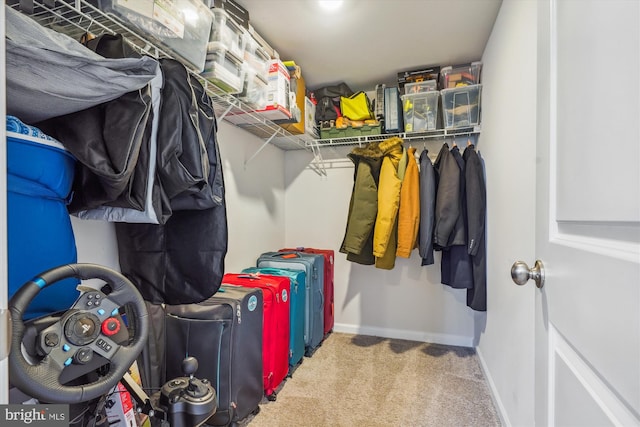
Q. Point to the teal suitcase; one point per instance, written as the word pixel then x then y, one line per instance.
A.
pixel 314 290
pixel 297 298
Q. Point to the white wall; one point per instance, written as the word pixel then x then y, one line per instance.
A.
pixel 506 332
pixel 255 206
pixel 407 302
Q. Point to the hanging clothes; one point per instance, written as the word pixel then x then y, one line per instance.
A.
pixel 447 230
pixel 385 237
pixel 409 211
pixel 476 217
pixel 363 206
pixel 182 260
pixel 427 208
pixel 455 267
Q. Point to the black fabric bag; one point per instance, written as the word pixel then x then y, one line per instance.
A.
pixel 179 262
pixel 107 160
pixel 111 142
pixel 328 100
pixel 110 46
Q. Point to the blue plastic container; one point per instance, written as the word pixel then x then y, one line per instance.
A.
pixel 39 178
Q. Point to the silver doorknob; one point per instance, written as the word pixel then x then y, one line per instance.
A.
pixel 521 273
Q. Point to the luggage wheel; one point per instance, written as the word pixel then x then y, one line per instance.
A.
pixel 272 397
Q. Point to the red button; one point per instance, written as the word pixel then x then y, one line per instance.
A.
pixel 111 326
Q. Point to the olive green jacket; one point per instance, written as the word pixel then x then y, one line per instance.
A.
pixel 363 207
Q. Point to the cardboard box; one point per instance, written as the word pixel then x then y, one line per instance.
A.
pixel 297 127
pixel 119 408
pixel 277 97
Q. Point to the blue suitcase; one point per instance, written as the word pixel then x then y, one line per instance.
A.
pixel 297 298
pixel 313 266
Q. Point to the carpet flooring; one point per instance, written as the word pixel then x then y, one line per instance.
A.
pixel 357 380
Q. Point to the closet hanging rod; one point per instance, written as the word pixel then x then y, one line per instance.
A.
pixel 406 137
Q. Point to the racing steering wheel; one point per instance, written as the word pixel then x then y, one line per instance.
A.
pixel 85 329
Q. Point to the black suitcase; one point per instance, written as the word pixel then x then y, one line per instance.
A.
pixel 224 333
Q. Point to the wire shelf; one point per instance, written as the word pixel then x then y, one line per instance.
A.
pixel 79 17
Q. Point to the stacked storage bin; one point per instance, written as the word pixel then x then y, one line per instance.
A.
pixel 460 92
pixel 420 106
pixel 225 53
pixel 183 32
pixel 256 65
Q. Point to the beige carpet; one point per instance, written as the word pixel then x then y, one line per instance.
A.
pixel 356 380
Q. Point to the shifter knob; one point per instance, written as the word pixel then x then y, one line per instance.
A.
pixel 189 366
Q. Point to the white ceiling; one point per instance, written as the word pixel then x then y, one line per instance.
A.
pixel 368 41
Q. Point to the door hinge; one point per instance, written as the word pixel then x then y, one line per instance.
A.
pixel 5 327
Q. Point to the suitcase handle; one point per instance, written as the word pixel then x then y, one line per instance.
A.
pixel 287 255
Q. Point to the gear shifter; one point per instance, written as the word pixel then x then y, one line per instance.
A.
pixel 196 388
pixel 188 401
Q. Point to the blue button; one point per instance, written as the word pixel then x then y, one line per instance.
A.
pixel 65 347
pixel 114 312
pixel 68 361
pixel 101 312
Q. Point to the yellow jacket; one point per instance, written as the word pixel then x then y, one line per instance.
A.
pixel 409 211
pixel 388 197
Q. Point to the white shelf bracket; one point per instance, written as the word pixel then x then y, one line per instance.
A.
pixel 267 142
pixel 317 164
pixel 226 112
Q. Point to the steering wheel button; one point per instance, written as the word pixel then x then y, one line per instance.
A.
pixel 68 361
pixel 114 312
pixel 96 303
pixel 101 312
pixel 89 303
pixel 107 347
pixel 90 296
pixel 66 347
pixel 51 339
pixel 97 296
pixel 111 326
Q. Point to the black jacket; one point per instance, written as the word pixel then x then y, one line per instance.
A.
pixel 449 226
pixel 476 218
pixel 456 266
pixel 427 208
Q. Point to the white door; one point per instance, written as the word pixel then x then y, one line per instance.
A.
pixel 588 213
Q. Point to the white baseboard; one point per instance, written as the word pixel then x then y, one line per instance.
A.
pixel 502 413
pixel 445 339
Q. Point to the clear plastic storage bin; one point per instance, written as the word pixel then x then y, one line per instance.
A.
pixel 452 77
pixel 181 26
pixel 256 57
pixel 226 34
pixel 255 89
pixel 425 86
pixel 461 106
pixel 420 111
pixel 225 70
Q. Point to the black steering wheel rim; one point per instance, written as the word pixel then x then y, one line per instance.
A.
pixel 37 380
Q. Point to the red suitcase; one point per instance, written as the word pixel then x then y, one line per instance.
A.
pixel 329 316
pixel 275 326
